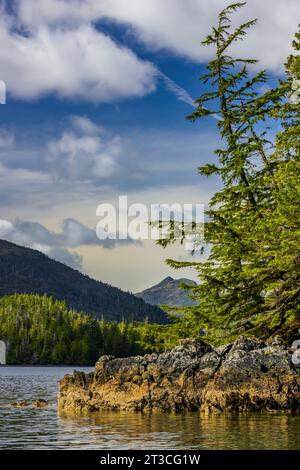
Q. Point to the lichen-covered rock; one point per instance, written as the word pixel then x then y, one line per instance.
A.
pixel 253 377
pixel 247 375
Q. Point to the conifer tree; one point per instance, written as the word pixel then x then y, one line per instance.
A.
pixel 277 262
pixel 248 267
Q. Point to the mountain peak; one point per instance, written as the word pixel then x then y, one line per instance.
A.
pixel 165 281
pixel 168 292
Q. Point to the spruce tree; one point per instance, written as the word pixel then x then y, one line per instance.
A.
pixel 244 274
pixel 277 262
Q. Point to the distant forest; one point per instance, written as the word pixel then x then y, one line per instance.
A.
pixel 41 330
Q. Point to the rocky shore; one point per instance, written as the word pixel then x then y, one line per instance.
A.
pixel 247 375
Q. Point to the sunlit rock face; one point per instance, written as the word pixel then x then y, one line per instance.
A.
pixel 247 375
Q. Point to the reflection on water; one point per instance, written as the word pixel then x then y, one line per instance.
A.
pixel 43 428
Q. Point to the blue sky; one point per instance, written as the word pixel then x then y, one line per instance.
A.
pixel 89 116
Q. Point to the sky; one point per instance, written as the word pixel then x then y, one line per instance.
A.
pixel 97 92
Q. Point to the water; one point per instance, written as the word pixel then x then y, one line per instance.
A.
pixel 31 428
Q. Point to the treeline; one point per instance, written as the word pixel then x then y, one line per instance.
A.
pixel 41 330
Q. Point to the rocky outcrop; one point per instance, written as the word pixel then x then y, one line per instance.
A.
pixel 247 375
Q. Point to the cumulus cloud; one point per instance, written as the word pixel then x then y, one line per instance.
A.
pixel 180 26
pixel 177 25
pixel 74 61
pixel 84 151
pixel 87 153
pixel 85 125
pixel 57 245
pixel 55 46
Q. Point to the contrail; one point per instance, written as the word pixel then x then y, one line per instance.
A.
pixel 182 94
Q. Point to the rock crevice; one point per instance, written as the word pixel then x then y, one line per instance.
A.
pixel 247 375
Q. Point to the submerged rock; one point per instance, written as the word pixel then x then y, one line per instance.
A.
pixel 20 404
pixel 247 375
pixel 41 403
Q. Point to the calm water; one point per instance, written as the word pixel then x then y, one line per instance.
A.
pixel 32 428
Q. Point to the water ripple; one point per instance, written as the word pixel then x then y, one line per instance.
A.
pixel 32 428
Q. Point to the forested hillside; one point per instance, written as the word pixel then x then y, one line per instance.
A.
pixel 23 270
pixel 41 330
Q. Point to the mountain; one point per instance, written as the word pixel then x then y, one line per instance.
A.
pixel 23 270
pixel 168 292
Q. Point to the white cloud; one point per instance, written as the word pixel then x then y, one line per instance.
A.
pixel 181 25
pixel 84 152
pixel 72 62
pixel 178 25
pixel 6 228
pixel 85 125
pixel 63 53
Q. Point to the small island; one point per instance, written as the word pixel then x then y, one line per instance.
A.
pixel 246 375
